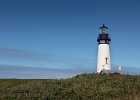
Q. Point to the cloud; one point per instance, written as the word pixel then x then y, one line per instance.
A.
pixel 32 58
pixel 15 53
pixel 26 72
pixel 131 70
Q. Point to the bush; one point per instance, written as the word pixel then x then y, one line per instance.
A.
pixel 84 86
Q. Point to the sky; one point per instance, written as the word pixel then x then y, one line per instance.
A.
pixel 58 38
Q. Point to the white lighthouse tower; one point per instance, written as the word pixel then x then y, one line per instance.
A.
pixel 103 61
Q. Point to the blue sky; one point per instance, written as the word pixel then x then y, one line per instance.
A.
pixel 58 38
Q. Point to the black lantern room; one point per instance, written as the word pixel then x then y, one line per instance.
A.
pixel 103 37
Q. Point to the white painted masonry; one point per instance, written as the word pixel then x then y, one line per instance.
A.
pixel 103 60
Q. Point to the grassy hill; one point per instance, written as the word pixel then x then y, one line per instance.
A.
pixel 80 87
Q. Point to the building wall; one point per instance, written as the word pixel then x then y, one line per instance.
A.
pixel 103 61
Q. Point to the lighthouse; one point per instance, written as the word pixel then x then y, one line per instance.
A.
pixel 103 60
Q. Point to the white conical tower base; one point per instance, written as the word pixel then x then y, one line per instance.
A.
pixel 103 61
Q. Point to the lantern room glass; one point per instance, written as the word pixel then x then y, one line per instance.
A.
pixel 103 31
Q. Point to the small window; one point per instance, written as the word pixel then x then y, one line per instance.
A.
pixel 106 60
pixel 102 41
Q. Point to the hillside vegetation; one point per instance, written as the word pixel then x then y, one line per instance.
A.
pixel 80 87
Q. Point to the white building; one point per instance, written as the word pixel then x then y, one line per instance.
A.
pixel 103 60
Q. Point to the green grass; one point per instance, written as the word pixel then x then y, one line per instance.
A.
pixel 80 87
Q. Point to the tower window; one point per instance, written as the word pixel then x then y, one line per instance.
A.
pixel 102 41
pixel 106 60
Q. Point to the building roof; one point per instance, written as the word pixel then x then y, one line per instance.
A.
pixel 109 71
pixel 103 27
